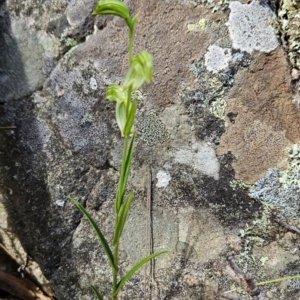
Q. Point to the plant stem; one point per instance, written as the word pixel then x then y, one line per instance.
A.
pixel 119 200
pixel 130 44
pixel 121 184
pixel 128 101
pixel 115 273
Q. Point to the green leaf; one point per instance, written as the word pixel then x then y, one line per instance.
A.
pixel 121 116
pixel 96 292
pixel 112 7
pixel 116 92
pixel 98 232
pixel 126 162
pixel 121 218
pixel 135 268
pixel 130 118
pixel 140 70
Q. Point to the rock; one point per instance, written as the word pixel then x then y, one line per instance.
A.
pixel 218 116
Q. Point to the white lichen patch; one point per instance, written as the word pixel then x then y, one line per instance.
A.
pixel 249 27
pixel 93 83
pixel 163 179
pixel 217 58
pixel 60 203
pixel 200 156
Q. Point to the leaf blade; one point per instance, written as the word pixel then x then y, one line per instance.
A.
pixel 137 266
pixel 96 292
pixel 101 237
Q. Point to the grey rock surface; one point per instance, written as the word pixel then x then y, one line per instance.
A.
pixel 214 121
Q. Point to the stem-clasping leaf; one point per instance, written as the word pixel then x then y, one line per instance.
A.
pixel 135 268
pixel 121 116
pixel 121 217
pixel 130 118
pixel 113 7
pixel 101 237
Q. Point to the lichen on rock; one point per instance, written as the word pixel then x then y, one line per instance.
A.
pixel 217 58
pixel 151 129
pixel 249 27
pixel 269 189
pixel 202 157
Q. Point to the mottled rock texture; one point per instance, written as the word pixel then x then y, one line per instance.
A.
pixel 214 127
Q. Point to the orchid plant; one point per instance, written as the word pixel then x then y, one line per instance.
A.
pixel 139 71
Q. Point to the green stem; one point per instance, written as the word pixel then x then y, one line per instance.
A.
pixel 121 184
pixel 130 44
pixel 119 199
pixel 115 273
pixel 128 101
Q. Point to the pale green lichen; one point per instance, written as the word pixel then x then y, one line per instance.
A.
pixel 255 235
pixel 138 95
pixel 213 5
pixel 69 42
pixel 151 129
pixel 87 118
pixel 239 184
pixel 289 19
pixel 218 108
pixel 291 176
pixel 199 25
